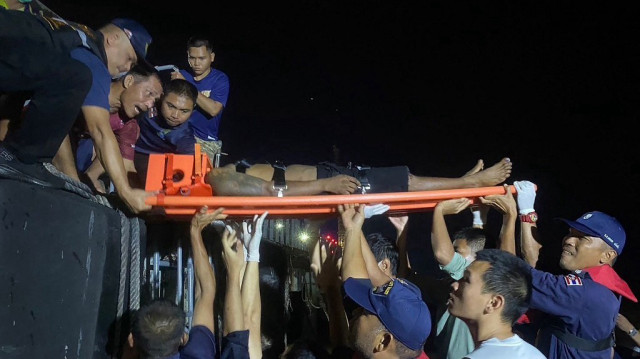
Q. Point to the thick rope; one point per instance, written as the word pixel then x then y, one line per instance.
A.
pixel 124 261
pixel 134 281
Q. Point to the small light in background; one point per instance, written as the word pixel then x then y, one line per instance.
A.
pixel 303 236
pixel 279 224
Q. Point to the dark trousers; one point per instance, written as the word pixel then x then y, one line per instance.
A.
pixel 29 61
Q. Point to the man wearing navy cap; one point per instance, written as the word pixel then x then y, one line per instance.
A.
pixel 68 68
pixel 392 320
pixel 582 306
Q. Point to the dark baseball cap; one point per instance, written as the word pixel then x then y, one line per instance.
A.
pixel 399 306
pixel 138 36
pixel 602 225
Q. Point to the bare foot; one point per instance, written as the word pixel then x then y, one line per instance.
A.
pixel 491 176
pixel 477 168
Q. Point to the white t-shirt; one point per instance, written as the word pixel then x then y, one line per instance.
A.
pixel 513 347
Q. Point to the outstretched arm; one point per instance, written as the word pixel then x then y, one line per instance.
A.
pixel 440 239
pixel 353 264
pixel 325 265
pixel 251 300
pixel 529 243
pixel 403 257
pixel 506 205
pixel 227 182
pixel 108 152
pixel 205 278
pixel 233 255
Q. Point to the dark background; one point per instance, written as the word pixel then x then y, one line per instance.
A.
pixel 434 85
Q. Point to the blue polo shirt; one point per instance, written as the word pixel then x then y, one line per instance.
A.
pixel 158 137
pixel 214 86
pixel 585 308
pixel 98 94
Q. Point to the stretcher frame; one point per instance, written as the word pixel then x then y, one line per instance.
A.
pixel 182 191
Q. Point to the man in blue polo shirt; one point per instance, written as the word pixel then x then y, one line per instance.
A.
pixel 68 68
pixel 213 88
pixel 169 131
pixel 582 306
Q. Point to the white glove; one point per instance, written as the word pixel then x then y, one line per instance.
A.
pixel 526 196
pixel 251 236
pixel 370 211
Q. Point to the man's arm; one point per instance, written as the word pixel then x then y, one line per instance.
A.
pixel 325 265
pixel 108 152
pixel 205 278
pixel 251 300
pixel 233 255
pixel 208 105
pixel 231 183
pixel 403 256
pixel 377 276
pixel 529 244
pixel 506 205
pixel 440 239
pixel 353 264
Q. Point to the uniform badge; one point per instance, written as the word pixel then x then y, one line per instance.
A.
pixel 572 279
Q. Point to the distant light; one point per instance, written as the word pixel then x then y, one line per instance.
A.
pixel 279 225
pixel 303 236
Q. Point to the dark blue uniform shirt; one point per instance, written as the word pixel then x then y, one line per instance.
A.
pixel 585 308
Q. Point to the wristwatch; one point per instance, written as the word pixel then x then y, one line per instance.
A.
pixel 530 217
pixel 633 332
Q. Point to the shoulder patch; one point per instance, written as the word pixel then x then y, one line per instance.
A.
pixel 572 279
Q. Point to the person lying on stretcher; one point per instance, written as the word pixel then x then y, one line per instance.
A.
pixel 327 178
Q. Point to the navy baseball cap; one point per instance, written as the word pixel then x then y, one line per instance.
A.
pixel 399 306
pixel 598 224
pixel 138 36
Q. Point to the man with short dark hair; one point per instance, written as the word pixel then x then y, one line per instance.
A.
pixel 489 298
pixel 169 131
pixel 213 91
pixel 386 253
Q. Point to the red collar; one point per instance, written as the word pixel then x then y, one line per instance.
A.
pixel 608 277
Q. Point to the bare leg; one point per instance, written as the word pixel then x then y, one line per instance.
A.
pixel 64 159
pixel 476 177
pixel 4 128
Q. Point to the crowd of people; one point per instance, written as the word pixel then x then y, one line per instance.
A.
pixel 85 100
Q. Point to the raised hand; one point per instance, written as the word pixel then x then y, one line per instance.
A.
pixel 526 196
pixel 232 251
pixel 325 265
pixel 202 218
pixel 252 235
pixel 352 215
pixel 503 203
pixel 453 206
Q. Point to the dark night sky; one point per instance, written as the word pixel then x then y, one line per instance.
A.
pixel 434 85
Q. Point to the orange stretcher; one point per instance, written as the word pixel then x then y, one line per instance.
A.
pixel 180 181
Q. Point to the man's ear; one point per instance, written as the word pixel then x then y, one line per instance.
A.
pixel 130 340
pixel 495 304
pixel 608 256
pixel 383 342
pixel 385 264
pixel 213 56
pixel 111 38
pixel 128 81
